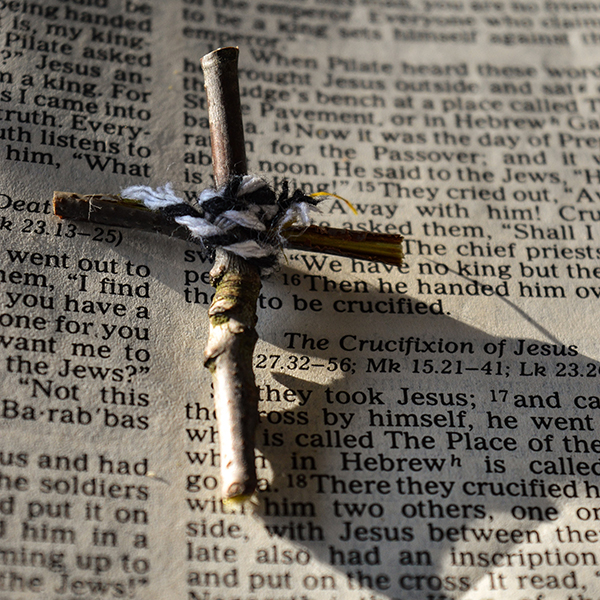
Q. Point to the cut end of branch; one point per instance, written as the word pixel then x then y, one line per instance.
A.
pixel 239 493
pixel 224 55
pixel 377 247
pixel 112 209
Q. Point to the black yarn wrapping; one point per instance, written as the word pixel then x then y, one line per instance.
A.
pixel 227 199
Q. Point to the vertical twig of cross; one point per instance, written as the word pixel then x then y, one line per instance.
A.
pixel 232 313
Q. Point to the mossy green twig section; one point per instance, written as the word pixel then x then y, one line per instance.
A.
pixel 228 356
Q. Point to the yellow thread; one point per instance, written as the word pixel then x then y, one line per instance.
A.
pixel 315 194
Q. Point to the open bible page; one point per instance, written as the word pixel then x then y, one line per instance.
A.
pixel 426 431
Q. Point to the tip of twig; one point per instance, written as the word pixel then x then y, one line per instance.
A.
pixel 239 491
pixel 224 54
pixel 236 500
pixel 363 245
pixel 68 205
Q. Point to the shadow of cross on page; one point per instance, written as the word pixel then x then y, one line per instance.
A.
pixel 448 470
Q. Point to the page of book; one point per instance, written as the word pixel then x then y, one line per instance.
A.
pixel 427 432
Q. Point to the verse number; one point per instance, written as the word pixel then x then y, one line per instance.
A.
pixel 297 480
pixel 343 365
pixel 301 363
pixel 67 230
pixel 110 236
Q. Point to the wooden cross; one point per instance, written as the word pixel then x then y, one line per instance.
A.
pixel 232 313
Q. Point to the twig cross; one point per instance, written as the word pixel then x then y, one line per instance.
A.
pixel 232 313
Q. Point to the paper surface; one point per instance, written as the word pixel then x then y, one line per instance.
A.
pixel 426 432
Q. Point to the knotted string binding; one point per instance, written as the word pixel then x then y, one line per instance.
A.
pixel 245 217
